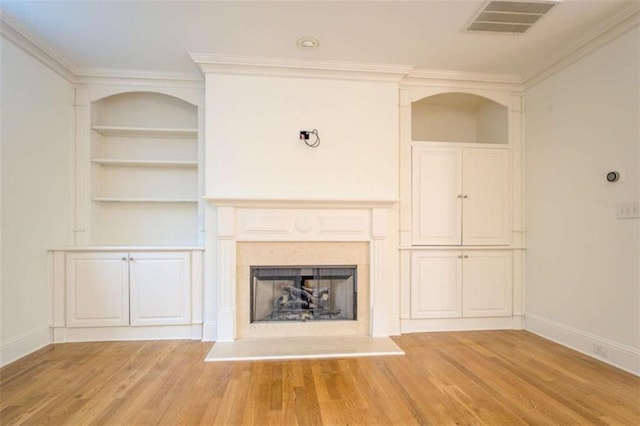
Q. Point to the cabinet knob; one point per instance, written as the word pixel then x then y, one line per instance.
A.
pixel 460 196
pixel 124 259
pixel 131 259
pixel 466 256
pixel 460 257
pixel 466 196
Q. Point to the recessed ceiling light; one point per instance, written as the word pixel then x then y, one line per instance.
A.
pixel 308 43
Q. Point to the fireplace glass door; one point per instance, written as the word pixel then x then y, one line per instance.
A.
pixel 306 293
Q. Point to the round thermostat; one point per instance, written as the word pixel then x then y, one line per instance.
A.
pixel 613 176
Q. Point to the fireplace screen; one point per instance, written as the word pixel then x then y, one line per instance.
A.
pixel 303 293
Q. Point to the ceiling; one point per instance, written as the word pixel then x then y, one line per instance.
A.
pixel 159 35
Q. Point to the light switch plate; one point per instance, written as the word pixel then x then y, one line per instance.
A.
pixel 629 210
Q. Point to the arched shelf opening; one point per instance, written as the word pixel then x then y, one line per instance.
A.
pixel 144 110
pixel 144 170
pixel 459 117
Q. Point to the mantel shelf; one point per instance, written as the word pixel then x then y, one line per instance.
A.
pixel 146 131
pixel 143 200
pixel 300 203
pixel 145 163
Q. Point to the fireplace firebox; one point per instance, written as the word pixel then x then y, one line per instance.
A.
pixel 306 293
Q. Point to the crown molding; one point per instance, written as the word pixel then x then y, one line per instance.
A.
pixel 462 79
pixel 34 46
pixel 138 77
pixel 54 60
pixel 288 67
pixel 615 26
pixel 476 77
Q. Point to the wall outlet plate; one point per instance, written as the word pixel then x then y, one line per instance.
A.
pixel 600 350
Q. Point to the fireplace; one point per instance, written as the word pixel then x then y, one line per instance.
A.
pixel 322 233
pixel 308 293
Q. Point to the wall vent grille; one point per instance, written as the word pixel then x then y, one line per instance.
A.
pixel 510 17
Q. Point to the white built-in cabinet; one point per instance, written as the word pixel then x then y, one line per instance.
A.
pixel 97 289
pixel 128 288
pixel 120 293
pixel 459 266
pixel 458 283
pixel 159 288
pixel 460 194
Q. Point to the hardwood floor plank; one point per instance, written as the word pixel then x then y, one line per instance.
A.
pixel 481 377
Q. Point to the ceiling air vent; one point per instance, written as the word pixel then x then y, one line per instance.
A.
pixel 511 17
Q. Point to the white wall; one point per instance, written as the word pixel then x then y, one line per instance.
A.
pixel 492 123
pixel 582 273
pixel 253 151
pixel 443 123
pixel 252 138
pixel 37 142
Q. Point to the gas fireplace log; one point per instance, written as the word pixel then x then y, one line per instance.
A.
pixel 303 294
pixel 284 299
pixel 293 299
pixel 315 292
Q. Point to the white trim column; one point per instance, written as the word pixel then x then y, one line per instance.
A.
pixel 379 319
pixel 226 275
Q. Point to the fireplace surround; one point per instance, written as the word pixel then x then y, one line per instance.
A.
pixel 313 232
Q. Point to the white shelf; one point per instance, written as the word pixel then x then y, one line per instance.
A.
pixel 125 248
pixel 143 200
pixel 460 248
pixel 146 131
pixel 145 163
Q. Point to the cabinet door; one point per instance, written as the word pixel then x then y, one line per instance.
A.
pixel 485 217
pixel 437 188
pixel 97 289
pixel 160 288
pixel 436 284
pixel 488 283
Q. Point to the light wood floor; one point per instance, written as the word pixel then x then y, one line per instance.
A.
pixel 494 378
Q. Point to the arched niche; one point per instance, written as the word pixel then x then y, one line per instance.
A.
pixel 459 117
pixel 144 109
pixel 143 170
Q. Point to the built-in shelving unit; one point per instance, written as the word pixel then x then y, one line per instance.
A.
pixel 144 170
pixel 459 265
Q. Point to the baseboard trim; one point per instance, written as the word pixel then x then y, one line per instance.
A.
pixel 455 324
pixel 518 322
pixel 107 334
pixel 24 344
pixel 624 357
pixel 395 329
pixel 196 331
pixel 210 331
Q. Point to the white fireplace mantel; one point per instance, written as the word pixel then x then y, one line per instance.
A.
pixel 280 220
